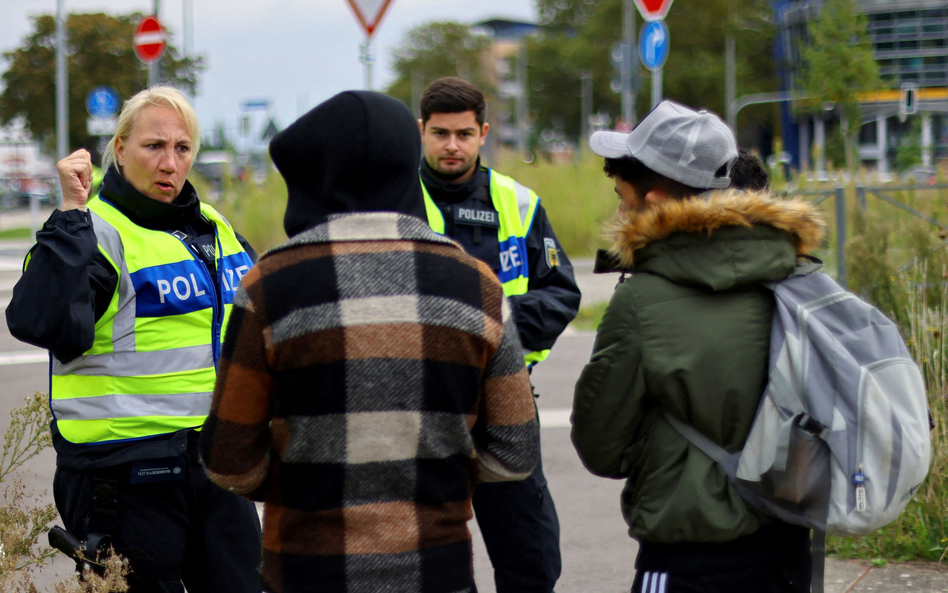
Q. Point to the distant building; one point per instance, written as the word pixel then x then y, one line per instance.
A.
pixel 21 156
pixel 507 71
pixel 910 44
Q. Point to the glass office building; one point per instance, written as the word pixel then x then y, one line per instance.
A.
pixel 910 44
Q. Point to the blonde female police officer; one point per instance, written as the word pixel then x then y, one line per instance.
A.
pixel 129 291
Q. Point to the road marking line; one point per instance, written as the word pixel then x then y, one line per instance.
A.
pixel 14 358
pixel 555 417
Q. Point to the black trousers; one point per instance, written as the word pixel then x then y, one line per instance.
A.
pixel 775 559
pixel 176 528
pixel 521 532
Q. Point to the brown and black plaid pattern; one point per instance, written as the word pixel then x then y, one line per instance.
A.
pixel 371 374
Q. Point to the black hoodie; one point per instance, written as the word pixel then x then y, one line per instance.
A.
pixel 356 152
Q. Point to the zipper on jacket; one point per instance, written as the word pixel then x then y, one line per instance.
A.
pixel 219 302
pixel 218 294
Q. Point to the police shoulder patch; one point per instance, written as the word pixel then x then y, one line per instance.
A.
pixel 552 255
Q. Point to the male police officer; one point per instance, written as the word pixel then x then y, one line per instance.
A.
pixel 501 222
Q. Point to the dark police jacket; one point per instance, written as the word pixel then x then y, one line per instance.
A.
pixel 67 286
pixel 552 297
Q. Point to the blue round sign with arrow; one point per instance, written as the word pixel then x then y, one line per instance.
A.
pixel 653 45
pixel 102 102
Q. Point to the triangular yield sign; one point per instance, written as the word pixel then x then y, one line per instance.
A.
pixel 369 13
pixel 270 132
pixel 653 10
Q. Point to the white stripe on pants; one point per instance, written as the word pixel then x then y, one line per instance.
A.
pixel 657 580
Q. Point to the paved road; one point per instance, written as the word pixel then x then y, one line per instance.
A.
pixel 597 553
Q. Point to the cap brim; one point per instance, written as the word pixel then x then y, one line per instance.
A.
pixel 611 145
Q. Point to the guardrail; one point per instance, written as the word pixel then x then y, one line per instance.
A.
pixel 881 192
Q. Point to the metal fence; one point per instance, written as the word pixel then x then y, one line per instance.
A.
pixel 886 194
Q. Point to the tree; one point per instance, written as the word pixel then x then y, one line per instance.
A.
pixel 579 36
pixel 909 153
pixel 839 66
pixel 100 53
pixel 577 39
pixel 435 50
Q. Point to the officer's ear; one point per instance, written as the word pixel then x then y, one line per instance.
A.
pixel 484 129
pixel 421 128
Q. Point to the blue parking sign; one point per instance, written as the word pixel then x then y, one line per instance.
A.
pixel 102 102
pixel 653 45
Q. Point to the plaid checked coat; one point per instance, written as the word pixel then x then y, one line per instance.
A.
pixel 371 375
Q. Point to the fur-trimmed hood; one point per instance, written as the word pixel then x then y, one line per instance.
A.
pixel 709 212
pixel 718 240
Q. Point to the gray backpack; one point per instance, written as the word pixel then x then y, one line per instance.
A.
pixel 840 442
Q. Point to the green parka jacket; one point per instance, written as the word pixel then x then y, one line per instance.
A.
pixel 687 332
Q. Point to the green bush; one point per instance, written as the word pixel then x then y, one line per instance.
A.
pixel 577 197
pixel 255 211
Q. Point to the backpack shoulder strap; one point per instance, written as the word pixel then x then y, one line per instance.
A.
pixel 807 264
pixel 697 439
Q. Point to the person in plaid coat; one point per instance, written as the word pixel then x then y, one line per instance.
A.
pixel 371 371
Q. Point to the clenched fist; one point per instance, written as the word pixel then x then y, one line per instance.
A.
pixel 75 177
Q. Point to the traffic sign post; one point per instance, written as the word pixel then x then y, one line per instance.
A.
pixel 654 42
pixel 369 13
pixel 150 45
pixel 653 45
pixel 102 102
pixel 653 10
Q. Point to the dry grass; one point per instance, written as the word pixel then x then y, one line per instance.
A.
pixel 920 532
pixel 24 520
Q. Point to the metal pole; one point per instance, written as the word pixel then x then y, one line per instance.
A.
pixel 34 214
pixel 417 80
pixel 628 37
pixel 62 91
pixel 154 71
pixel 586 107
pixel 861 197
pixel 841 236
pixel 187 7
pixel 656 87
pixel 366 59
pixel 730 91
pixel 522 98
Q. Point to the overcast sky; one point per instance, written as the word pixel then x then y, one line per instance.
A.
pixel 295 53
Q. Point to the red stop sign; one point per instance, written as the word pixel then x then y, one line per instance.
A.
pixel 150 41
pixel 653 10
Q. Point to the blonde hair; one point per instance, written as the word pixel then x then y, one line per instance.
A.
pixel 156 96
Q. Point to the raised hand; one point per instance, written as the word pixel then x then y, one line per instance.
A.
pixel 75 177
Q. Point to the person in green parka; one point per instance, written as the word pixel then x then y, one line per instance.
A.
pixel 687 334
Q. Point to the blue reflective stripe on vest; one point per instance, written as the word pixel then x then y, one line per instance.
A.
pixel 233 268
pixel 172 289
pixel 513 259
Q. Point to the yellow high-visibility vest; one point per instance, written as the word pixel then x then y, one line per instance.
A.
pixel 152 365
pixel 516 206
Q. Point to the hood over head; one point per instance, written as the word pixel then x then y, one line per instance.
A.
pixel 355 152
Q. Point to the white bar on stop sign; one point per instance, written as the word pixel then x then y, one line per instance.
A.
pixel 150 38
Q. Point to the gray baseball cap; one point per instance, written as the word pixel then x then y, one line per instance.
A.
pixel 680 143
